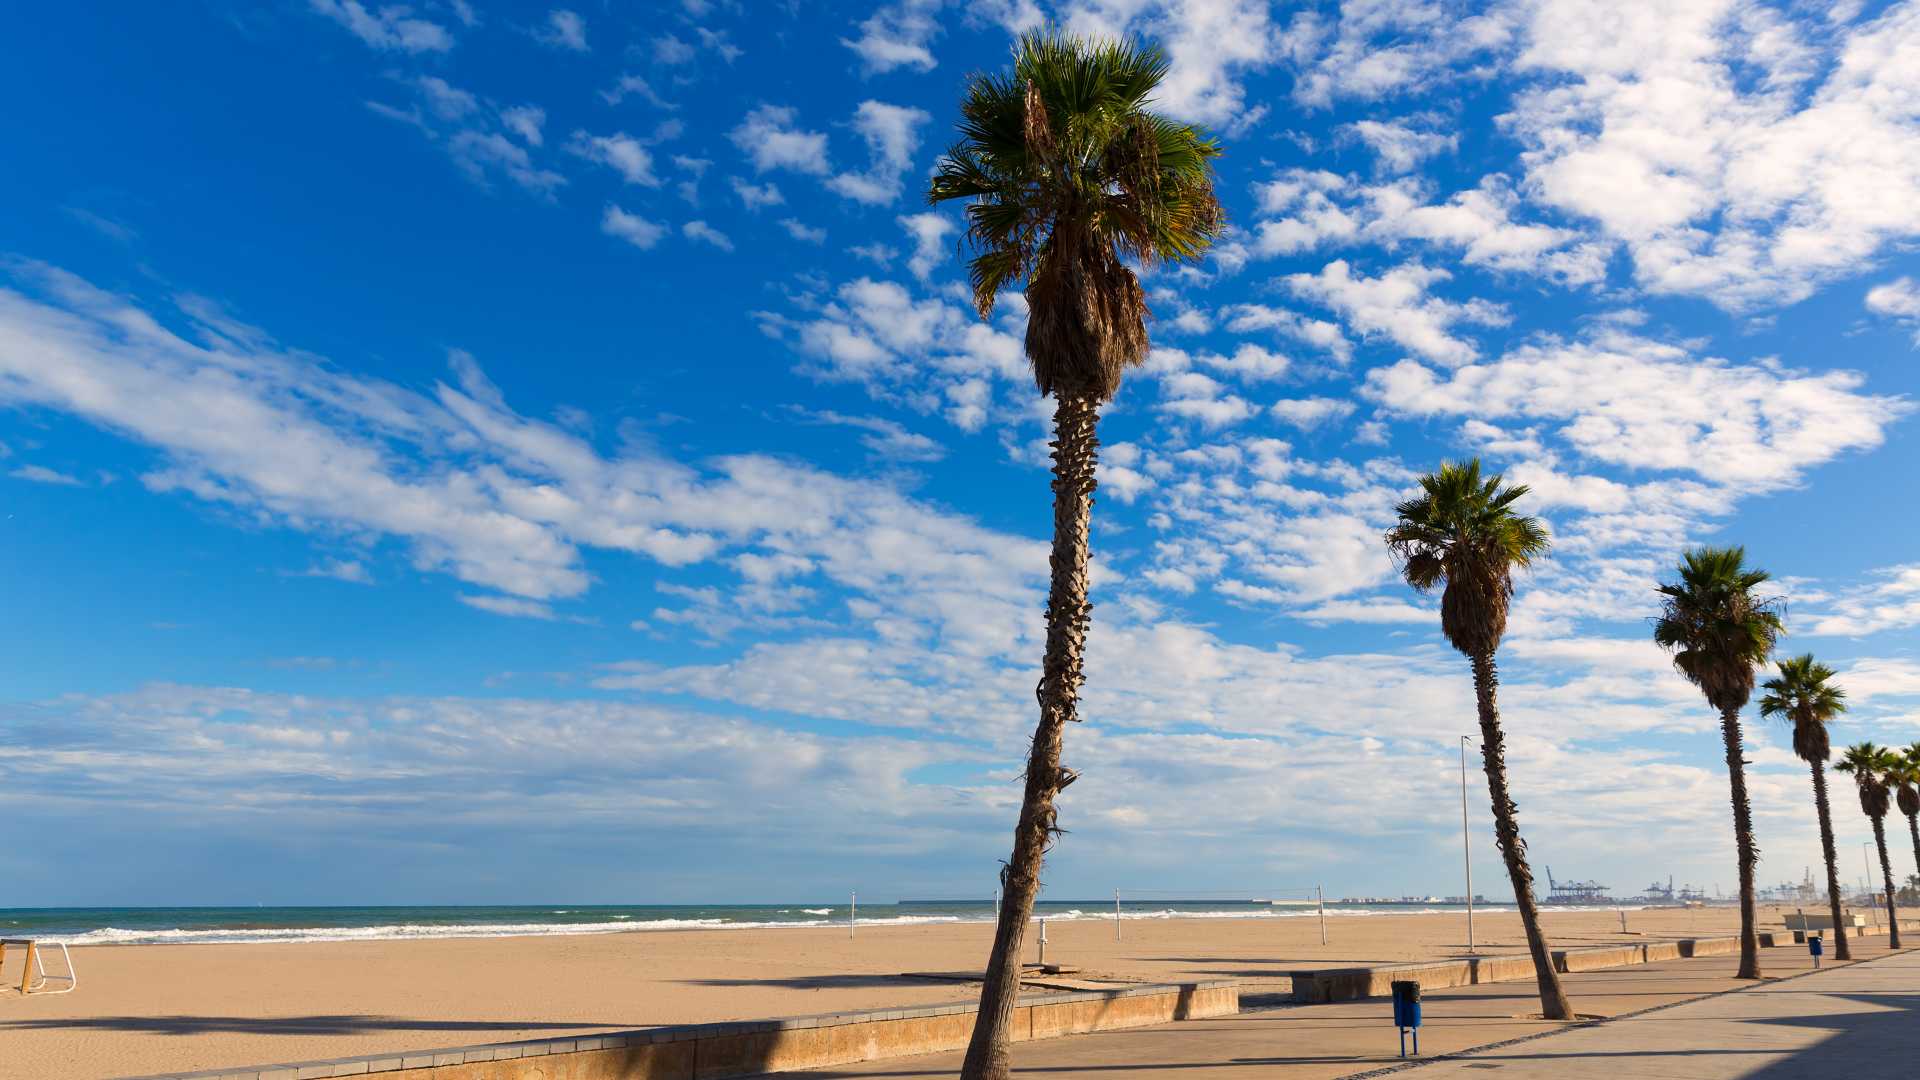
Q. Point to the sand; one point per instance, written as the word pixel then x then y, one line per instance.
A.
pixel 144 1009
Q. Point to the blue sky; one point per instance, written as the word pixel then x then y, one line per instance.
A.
pixel 479 452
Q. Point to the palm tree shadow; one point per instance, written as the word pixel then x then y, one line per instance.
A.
pixel 1881 1037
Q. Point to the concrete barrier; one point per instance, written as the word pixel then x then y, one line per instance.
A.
pixel 752 1047
pixel 1654 952
pixel 1709 946
pixel 1612 956
pixel 1349 984
pixel 1492 969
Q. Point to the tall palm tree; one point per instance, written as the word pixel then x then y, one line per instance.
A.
pixel 1462 531
pixel 1869 765
pixel 1804 695
pixel 1718 632
pixel 1906 793
pixel 1070 175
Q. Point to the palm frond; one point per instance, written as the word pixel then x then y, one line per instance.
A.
pixel 1462 530
pixel 1069 173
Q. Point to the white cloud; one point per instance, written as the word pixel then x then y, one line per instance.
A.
pixel 897 35
pixel 1703 137
pixel 1248 318
pixel 1401 147
pixel 477 152
pixel 448 102
pixel 630 85
pixel 670 50
pixel 1372 50
pixel 887 440
pixel 929 231
pixel 801 231
pixel 1396 306
pixel 350 570
pixel 563 29
pixel 632 228
pixel 620 152
pixel 1194 396
pixel 1634 402
pixel 1249 363
pixel 1309 209
pixel 512 606
pixel 771 141
pixel 1310 413
pixel 393 27
pixel 525 121
pixel 1891 602
pixel 40 474
pixel 1211 45
pixel 1899 300
pixel 706 234
pixel 756 196
pixel 892 134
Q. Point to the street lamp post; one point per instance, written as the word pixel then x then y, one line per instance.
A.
pixel 1873 903
pixel 1466 851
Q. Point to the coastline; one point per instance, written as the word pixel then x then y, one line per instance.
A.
pixel 147 1009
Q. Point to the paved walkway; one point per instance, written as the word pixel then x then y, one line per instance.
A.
pixel 1324 1042
pixel 1861 1022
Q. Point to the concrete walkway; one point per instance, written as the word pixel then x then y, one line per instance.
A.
pixel 1861 1022
pixel 1325 1042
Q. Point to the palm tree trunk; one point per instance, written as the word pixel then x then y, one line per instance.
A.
pixel 1840 949
pixel 1913 826
pixel 1886 874
pixel 1075 453
pixel 1506 830
pixel 1743 840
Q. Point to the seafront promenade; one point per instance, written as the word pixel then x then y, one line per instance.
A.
pixel 1686 1018
pixel 1856 1021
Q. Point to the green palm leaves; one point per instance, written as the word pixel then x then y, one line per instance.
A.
pixel 1872 768
pixel 1804 695
pixel 1070 175
pixel 1463 531
pixel 1716 628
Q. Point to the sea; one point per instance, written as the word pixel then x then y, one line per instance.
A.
pixel 179 925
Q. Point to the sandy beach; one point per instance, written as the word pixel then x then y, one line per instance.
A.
pixel 145 1009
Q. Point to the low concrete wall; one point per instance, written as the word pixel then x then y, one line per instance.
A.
pixel 747 1048
pixel 1709 946
pixel 1349 984
pixel 1657 951
pixel 1492 969
pixel 1571 960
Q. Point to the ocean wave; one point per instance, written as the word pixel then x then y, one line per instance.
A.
pixel 628 923
pixel 114 935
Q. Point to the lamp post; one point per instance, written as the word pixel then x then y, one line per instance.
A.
pixel 1873 902
pixel 1466 851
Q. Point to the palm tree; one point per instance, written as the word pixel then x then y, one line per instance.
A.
pixel 1718 632
pixel 1070 175
pixel 1869 766
pixel 1906 775
pixel 1803 696
pixel 1462 531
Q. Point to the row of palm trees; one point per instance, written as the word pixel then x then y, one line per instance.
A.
pixel 1072 183
pixel 1463 534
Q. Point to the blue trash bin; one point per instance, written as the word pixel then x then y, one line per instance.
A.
pixel 1406 1013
